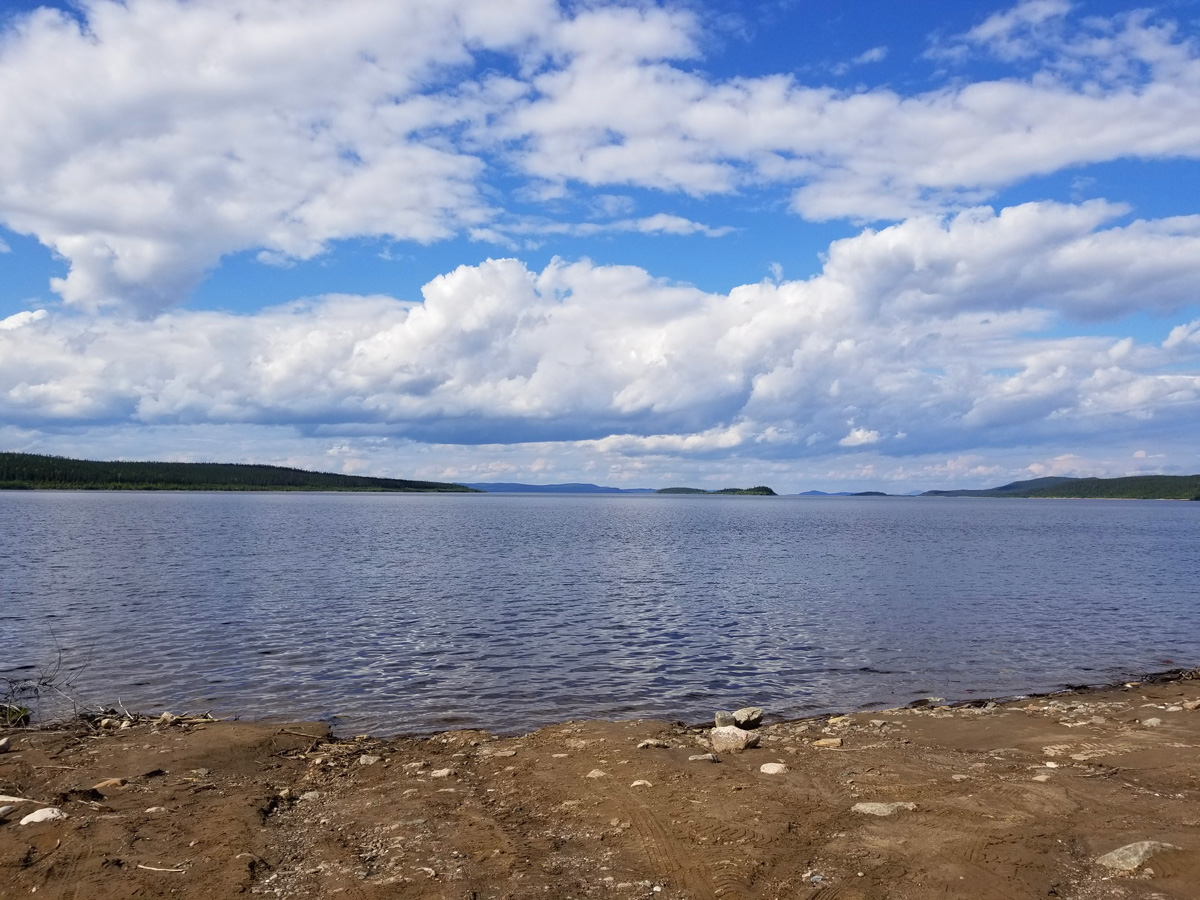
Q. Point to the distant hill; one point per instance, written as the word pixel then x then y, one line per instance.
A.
pixel 508 487
pixel 758 491
pixel 29 471
pixel 1133 487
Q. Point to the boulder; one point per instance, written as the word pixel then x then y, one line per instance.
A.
pixel 723 719
pixel 731 739
pixel 748 717
pixel 49 814
pixel 1132 856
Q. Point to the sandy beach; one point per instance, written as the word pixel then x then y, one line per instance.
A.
pixel 1016 799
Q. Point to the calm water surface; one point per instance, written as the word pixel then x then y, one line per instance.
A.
pixel 399 613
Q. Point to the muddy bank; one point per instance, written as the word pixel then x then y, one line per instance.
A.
pixel 1017 799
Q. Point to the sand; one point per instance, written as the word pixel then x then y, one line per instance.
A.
pixel 1013 800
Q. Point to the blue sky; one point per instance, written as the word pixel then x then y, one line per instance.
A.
pixel 839 246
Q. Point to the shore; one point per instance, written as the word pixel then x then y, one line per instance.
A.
pixel 1019 799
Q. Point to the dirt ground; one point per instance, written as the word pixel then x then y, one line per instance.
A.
pixel 1009 800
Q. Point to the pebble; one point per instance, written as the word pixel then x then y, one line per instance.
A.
pixel 1041 778
pixel 651 742
pixel 1131 856
pixel 703 757
pixel 49 814
pixel 960 777
pixel 839 720
pixel 5 746
pixel 441 773
pixel 596 773
pixel 748 717
pixel 505 753
pixel 109 783
pixel 5 810
pixel 157 809
pixel 732 739
pixel 1152 723
pixel 308 796
pixel 368 760
pixel 723 720
pixel 1191 704
pixel 773 768
pixel 828 742
pixel 641 782
pixel 881 809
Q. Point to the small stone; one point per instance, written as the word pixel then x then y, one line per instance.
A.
pixel 960 777
pixel 596 773
pixel 1041 778
pixel 1152 723
pixel 366 760
pixel 651 742
pixel 828 742
pixel 878 723
pixel 5 746
pixel 109 784
pixel 773 768
pixel 505 754
pixel 441 773
pixel 1174 709
pixel 723 720
pixel 881 809
pixel 839 720
pixel 641 782
pixel 309 796
pixel 748 717
pixel 49 814
pixel 156 809
pixel 559 755
pixel 732 739
pixel 166 719
pixel 1131 856
pixel 704 757
pixel 107 723
pixel 1191 704
pixel 5 810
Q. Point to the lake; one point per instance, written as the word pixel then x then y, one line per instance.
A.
pixel 391 613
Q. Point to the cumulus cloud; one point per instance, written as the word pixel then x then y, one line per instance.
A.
pixel 145 140
pixel 930 329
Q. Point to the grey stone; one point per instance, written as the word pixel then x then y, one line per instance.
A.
pixel 732 739
pixel 773 768
pixel 703 757
pixel 441 773
pixel 366 760
pixel 596 773
pixel 49 814
pixel 651 742
pixel 1131 856
pixel 309 796
pixel 5 810
pixel 748 717
pixel 723 719
pixel 881 809
pixel 1191 704
pixel 5 746
pixel 1152 723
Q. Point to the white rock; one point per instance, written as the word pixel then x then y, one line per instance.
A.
pixel 368 760
pixel 828 742
pixel 1191 704
pixel 49 814
pixel 1131 856
pixel 5 810
pixel 960 777
pixel 881 809
pixel 1152 723
pixel 703 757
pixel 309 796
pixel 641 782
pixel 730 738
pixel 5 746
pixel 723 719
pixel 4 798
pixel 157 809
pixel 596 773
pixel 773 768
pixel 748 717
pixel 1041 778
pixel 651 742
pixel 441 773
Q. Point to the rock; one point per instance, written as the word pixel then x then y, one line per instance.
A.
pixel 1152 723
pixel 828 742
pixel 1041 778
pixel 441 773
pixel 1131 856
pixel 723 720
pixel 309 796
pixel 5 810
pixel 166 719
pixel 651 742
pixel 49 814
pixel 773 768
pixel 366 760
pixel 5 746
pixel 156 809
pixel 1191 704
pixel 839 720
pixel 505 753
pixel 596 773
pixel 731 739
pixel 881 809
pixel 641 782
pixel 109 784
pixel 748 717
pixel 4 798
pixel 704 757
pixel 960 777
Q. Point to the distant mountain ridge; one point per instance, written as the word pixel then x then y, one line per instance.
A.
pixel 1131 487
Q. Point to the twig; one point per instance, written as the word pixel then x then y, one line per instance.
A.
pixel 311 737
pixel 157 869
pixel 57 767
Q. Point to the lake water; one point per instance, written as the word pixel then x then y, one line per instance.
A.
pixel 396 613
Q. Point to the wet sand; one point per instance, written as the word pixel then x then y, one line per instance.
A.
pixel 1017 799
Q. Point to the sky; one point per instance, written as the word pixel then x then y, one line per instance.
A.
pixel 837 246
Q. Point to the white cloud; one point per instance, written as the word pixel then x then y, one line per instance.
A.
pixel 929 328
pixel 169 134
pixel 4 248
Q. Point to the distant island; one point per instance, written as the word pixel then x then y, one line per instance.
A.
pixel 30 471
pixel 758 491
pixel 512 487
pixel 1133 487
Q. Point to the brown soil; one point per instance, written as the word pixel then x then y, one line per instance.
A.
pixel 1016 800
